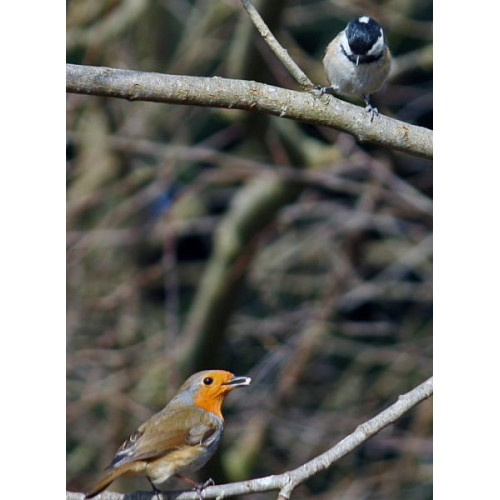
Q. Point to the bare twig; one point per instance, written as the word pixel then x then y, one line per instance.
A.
pixel 418 59
pixel 301 78
pixel 251 96
pixel 288 481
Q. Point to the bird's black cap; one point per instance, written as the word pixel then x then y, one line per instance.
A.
pixel 362 34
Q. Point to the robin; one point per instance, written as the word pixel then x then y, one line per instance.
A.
pixel 180 438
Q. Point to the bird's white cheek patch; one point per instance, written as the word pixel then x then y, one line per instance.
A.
pixel 378 46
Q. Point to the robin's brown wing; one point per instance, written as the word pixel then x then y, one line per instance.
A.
pixel 164 432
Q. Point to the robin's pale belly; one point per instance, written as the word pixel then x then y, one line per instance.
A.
pixel 184 459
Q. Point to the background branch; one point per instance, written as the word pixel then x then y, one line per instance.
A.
pixel 250 96
pixel 288 481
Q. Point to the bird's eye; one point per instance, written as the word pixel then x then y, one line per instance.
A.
pixel 208 380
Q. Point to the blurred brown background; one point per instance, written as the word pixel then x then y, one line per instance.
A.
pixel 202 238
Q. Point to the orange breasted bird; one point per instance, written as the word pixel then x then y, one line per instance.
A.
pixel 180 438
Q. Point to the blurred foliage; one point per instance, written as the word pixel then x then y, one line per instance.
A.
pixel 318 249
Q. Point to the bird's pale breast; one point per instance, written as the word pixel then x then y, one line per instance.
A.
pixel 351 80
pixel 186 458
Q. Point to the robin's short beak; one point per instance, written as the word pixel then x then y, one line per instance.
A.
pixel 238 381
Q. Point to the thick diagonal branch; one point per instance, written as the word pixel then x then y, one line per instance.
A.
pixel 250 96
pixel 288 481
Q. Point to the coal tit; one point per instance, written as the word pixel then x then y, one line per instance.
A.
pixel 357 61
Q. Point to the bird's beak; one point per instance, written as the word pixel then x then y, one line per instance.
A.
pixel 357 61
pixel 238 381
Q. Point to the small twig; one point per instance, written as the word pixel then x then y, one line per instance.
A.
pixel 288 481
pixel 282 54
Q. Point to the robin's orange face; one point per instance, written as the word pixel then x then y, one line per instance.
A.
pixel 213 386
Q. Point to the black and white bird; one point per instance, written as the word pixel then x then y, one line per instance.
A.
pixel 357 61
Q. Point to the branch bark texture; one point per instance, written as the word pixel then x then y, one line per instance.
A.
pixel 226 93
pixel 288 481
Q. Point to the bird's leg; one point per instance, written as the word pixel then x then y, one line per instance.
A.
pixel 369 107
pixel 207 483
pixel 322 90
pixel 201 486
pixel 198 487
pixel 155 489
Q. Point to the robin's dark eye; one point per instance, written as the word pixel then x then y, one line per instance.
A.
pixel 208 380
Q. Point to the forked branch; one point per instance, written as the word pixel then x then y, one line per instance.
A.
pixel 285 483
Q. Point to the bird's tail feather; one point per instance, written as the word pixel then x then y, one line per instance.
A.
pixel 107 479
